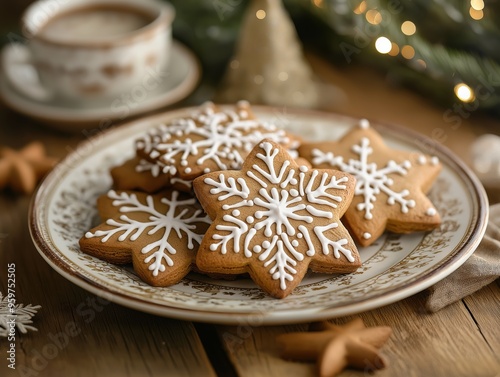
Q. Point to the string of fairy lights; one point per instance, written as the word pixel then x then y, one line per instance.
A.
pixel 403 43
pixel 445 49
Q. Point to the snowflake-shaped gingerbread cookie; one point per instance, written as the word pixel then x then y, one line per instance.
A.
pixel 391 185
pixel 274 219
pixel 159 234
pixel 210 139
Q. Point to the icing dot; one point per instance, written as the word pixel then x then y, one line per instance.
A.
pixel 89 235
pixel 293 181
pixel 367 235
pixel 294 192
pixel 187 170
pixel 236 213
pixel 303 168
pixel 299 235
pixel 434 160
pixel 257 249
pixel 213 247
pixel 421 159
pixel 364 124
pixel 368 216
pixel 431 212
pixel 407 164
pixel 250 219
pixel 266 244
pixel 295 243
pixel 184 162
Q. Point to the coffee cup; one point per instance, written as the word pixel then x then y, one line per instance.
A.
pixel 84 49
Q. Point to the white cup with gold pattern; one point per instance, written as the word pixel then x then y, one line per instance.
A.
pixel 85 49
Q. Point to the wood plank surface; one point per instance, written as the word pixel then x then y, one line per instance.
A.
pixel 446 343
pixel 80 334
pixel 485 308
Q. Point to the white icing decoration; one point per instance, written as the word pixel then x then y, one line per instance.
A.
pixel 370 180
pixel 285 202
pixel 174 221
pixel 367 235
pixel 364 124
pixel 434 160
pixel 431 212
pixel 222 138
pixel 176 180
pixel 146 166
pixel 422 160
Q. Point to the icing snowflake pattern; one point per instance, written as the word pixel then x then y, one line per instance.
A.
pixel 155 169
pixel 175 220
pixel 370 180
pixel 214 139
pixel 283 211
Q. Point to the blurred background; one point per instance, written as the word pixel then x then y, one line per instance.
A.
pixel 444 49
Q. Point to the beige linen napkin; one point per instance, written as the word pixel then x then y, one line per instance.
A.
pixel 482 268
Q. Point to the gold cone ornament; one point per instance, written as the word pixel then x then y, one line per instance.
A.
pixel 269 66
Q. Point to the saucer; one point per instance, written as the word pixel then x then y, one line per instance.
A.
pixel 177 83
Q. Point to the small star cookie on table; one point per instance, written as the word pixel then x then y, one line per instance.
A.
pixel 22 170
pixel 391 185
pixel 274 219
pixel 337 347
pixel 159 233
pixel 211 139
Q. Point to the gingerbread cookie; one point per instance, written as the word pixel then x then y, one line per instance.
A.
pixel 22 170
pixel 158 233
pixel 274 219
pixel 337 347
pixel 211 139
pixel 390 184
pixel 140 174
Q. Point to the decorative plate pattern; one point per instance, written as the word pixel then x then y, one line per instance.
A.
pixel 394 267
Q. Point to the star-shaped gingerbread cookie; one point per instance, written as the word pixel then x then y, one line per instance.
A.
pixel 210 139
pixel 274 219
pixel 158 233
pixel 22 170
pixel 337 347
pixel 140 174
pixel 391 185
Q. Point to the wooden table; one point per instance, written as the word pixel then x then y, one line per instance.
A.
pixel 80 335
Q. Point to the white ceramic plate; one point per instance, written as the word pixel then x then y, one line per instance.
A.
pixel 179 80
pixel 395 267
